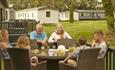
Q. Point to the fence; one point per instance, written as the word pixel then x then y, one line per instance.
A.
pixel 110 59
pixel 16 29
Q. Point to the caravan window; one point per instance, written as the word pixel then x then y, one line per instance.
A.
pixel 48 13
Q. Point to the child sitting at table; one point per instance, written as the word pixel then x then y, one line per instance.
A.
pixel 23 42
pixel 73 57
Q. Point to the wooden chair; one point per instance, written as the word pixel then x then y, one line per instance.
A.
pixel 87 60
pixel 20 59
pixel 66 42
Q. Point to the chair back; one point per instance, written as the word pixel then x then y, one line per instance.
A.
pixel 7 64
pixel 66 42
pixel 100 64
pixel 20 58
pixel 87 59
pixel 5 60
pixel 1 60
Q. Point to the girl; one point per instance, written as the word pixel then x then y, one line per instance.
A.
pixel 23 42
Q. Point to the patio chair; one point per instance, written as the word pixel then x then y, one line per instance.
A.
pixel 20 59
pixel 100 64
pixel 7 64
pixel 5 59
pixel 0 61
pixel 66 42
pixel 87 60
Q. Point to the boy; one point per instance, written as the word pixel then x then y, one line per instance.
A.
pixel 73 57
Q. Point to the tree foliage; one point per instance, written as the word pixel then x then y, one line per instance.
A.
pixel 108 6
pixel 59 4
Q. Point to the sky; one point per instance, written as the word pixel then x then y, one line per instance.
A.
pixel 99 0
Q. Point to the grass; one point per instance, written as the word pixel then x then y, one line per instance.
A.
pixel 80 28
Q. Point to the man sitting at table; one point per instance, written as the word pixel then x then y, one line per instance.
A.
pixel 73 57
pixel 39 35
pixel 99 42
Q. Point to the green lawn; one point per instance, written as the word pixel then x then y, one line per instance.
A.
pixel 80 28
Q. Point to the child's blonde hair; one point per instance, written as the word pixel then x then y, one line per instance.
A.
pixel 23 42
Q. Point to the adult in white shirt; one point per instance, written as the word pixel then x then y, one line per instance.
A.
pixel 100 43
pixel 58 34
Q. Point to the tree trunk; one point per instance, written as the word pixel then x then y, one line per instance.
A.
pixel 109 14
pixel 71 16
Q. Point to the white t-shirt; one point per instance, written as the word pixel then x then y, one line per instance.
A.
pixel 103 49
pixel 54 37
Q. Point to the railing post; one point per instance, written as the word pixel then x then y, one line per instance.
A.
pixel 114 60
pixel 110 60
pixel 107 59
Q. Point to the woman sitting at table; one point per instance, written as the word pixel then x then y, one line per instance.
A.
pixel 23 42
pixel 3 46
pixel 5 37
pixel 60 33
pixel 73 57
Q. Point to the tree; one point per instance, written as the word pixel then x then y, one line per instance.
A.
pixel 109 14
pixel 86 4
pixel 58 4
pixel 71 18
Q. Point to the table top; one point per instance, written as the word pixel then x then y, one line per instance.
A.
pixel 51 57
pixel 44 55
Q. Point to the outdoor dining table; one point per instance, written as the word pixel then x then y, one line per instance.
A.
pixel 52 61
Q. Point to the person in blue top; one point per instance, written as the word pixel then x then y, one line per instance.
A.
pixel 39 35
